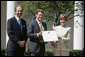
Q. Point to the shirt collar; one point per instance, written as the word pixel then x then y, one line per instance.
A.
pixel 17 18
pixel 38 21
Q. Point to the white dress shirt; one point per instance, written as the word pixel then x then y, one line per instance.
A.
pixel 39 23
pixel 17 18
pixel 18 23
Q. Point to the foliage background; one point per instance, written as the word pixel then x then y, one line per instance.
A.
pixel 49 7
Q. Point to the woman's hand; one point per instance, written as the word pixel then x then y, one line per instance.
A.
pixel 52 43
pixel 59 38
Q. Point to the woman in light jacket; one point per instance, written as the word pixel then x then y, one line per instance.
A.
pixel 63 34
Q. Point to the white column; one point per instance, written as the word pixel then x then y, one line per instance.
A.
pixel 78 40
pixel 10 13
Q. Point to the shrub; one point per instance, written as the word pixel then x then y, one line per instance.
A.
pixel 3 52
pixel 26 53
pixel 76 53
pixel 49 52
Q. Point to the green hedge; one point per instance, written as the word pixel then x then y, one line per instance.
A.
pixel 48 52
pixel 3 52
pixel 76 53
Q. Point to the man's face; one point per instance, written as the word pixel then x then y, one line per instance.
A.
pixel 39 16
pixel 18 11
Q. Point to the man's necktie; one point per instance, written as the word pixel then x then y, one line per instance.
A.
pixel 20 24
pixel 41 29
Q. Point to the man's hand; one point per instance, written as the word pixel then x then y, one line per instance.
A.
pixel 42 41
pixel 39 34
pixel 22 43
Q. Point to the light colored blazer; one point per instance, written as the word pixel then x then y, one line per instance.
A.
pixel 63 32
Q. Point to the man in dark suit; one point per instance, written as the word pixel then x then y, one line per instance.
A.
pixel 17 33
pixel 36 44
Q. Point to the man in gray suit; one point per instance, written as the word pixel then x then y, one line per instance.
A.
pixel 36 44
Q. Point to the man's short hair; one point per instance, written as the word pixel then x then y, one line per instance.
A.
pixel 39 10
pixel 18 6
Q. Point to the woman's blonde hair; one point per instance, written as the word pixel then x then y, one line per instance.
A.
pixel 62 17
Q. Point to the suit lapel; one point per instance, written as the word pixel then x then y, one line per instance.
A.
pixel 23 25
pixel 16 23
pixel 37 26
pixel 43 25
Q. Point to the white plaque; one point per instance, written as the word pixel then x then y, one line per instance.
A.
pixel 49 36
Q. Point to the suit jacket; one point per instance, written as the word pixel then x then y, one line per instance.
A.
pixel 15 34
pixel 32 30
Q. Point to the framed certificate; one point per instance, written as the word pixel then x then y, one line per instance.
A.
pixel 49 36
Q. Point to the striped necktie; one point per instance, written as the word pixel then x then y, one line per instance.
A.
pixel 20 24
pixel 41 27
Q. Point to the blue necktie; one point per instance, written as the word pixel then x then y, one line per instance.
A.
pixel 20 24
